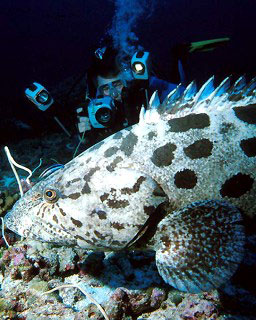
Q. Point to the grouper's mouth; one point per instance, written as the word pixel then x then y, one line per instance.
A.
pixel 18 219
pixel 37 230
pixel 16 222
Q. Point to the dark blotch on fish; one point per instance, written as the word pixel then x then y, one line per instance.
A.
pixel 199 149
pixel 249 147
pixel 191 121
pixel 163 156
pixel 128 144
pixel 117 135
pixel 113 164
pixel 77 223
pixel 237 186
pixel 74 196
pixel 110 152
pixel 151 135
pixel 117 226
pixel 86 189
pixel 135 188
pixel 87 161
pixel 88 176
pixel 99 235
pixel 100 213
pixel 62 212
pixel 43 211
pixel 246 113
pixel 55 219
pixel 71 182
pixel 113 203
pixel 116 204
pixel 226 127
pixel 185 179
pixel 104 196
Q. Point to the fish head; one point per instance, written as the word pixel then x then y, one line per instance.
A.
pixel 93 209
pixel 32 216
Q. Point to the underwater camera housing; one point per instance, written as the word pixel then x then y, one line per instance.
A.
pixel 102 112
pixel 141 65
pixel 38 95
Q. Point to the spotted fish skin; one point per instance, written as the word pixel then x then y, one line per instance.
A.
pixel 195 156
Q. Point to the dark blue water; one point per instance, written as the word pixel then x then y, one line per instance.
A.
pixel 48 41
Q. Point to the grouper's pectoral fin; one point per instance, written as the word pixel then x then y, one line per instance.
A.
pixel 200 246
pixel 125 199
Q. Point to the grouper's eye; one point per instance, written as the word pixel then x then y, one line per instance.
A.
pixel 50 195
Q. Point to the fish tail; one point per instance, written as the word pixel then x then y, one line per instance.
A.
pixel 201 246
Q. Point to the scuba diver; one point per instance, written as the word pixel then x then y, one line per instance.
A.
pixel 116 89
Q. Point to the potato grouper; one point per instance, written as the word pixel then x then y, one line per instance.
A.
pixel 178 183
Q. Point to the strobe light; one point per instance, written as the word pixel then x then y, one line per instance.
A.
pixel 38 95
pixel 141 65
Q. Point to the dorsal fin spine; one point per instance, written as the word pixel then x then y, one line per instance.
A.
pixel 205 90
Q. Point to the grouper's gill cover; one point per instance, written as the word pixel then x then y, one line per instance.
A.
pixel 194 158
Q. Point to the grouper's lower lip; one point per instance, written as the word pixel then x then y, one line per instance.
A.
pixel 17 222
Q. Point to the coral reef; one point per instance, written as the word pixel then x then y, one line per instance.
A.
pixel 127 286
